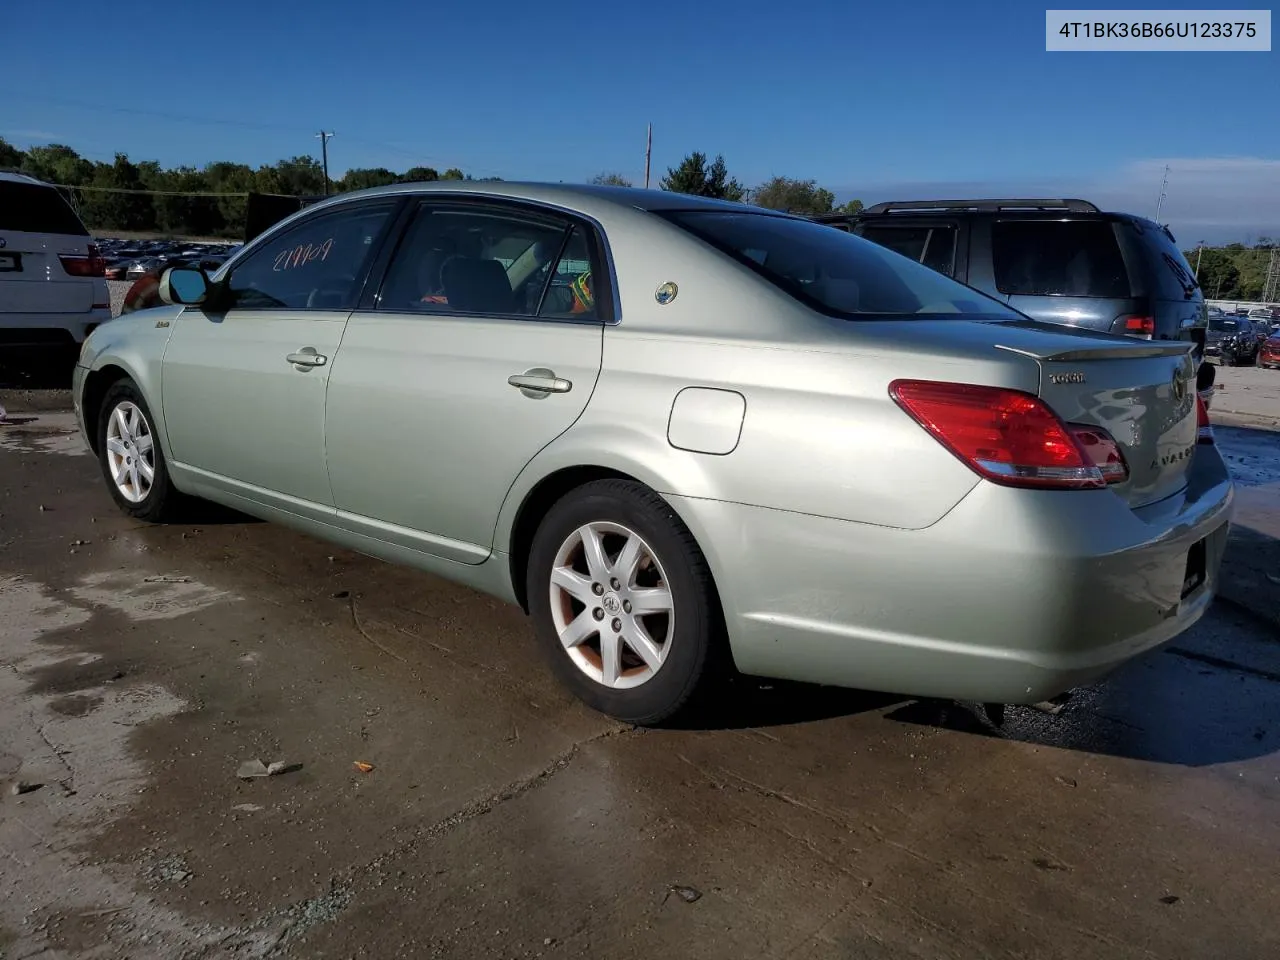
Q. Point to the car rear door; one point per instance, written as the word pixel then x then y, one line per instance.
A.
pixel 44 262
pixel 459 369
pixel 244 378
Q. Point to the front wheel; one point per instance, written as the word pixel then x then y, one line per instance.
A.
pixel 623 602
pixel 131 459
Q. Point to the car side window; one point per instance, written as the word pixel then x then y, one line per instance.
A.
pixel 934 246
pixel 460 259
pixel 1038 258
pixel 571 293
pixel 314 265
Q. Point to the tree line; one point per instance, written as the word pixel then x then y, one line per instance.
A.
pixel 210 201
pixel 1233 272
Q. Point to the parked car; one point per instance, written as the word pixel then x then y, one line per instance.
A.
pixel 1232 340
pixel 1061 261
pixel 739 437
pixel 1269 352
pixel 52 288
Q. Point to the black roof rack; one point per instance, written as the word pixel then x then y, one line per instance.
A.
pixel 1075 206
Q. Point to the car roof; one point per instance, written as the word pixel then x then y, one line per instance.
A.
pixel 10 177
pixel 587 198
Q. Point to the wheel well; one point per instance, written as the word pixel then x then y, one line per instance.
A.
pixel 96 386
pixel 536 504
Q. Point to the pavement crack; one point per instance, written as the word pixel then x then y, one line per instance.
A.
pixel 1224 664
pixel 71 774
pixel 355 619
pixel 511 791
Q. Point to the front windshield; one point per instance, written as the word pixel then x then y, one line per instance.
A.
pixel 832 271
pixel 1222 323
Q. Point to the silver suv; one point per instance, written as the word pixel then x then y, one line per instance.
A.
pixel 52 286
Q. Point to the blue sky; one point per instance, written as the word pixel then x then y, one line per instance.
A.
pixel 876 100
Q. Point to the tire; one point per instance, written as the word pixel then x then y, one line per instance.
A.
pixel 685 642
pixel 122 447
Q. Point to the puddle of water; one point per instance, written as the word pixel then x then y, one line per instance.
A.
pixel 138 599
pixel 75 745
pixel 60 442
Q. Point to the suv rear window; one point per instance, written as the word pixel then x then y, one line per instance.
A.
pixel 1058 258
pixel 28 208
pixel 935 247
pixel 1173 275
pixel 834 272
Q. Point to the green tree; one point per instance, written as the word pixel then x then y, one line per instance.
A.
pixel 453 173
pixel 57 163
pixel 420 175
pixel 610 180
pixel 115 199
pixel 11 157
pixel 296 177
pixel 850 207
pixel 362 179
pixel 804 197
pixel 695 176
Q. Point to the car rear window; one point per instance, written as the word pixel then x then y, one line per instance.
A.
pixel 30 208
pixel 1174 277
pixel 1059 258
pixel 837 273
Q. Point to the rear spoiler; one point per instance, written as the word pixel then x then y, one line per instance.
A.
pixel 1140 349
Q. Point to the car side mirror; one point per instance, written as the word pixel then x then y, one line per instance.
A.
pixel 183 285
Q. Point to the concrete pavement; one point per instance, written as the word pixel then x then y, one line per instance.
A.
pixel 141 666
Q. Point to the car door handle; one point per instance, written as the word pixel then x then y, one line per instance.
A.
pixel 540 382
pixel 307 357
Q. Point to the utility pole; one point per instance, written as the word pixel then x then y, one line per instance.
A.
pixel 1199 254
pixel 1271 293
pixel 323 137
pixel 1163 186
pixel 648 151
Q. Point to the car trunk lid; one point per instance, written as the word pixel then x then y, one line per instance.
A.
pixel 1141 392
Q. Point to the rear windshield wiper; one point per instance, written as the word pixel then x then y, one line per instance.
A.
pixel 1189 283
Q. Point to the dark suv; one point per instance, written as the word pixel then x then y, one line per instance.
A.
pixel 1061 261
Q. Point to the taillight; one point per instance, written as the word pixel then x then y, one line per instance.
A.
pixel 1204 429
pixel 1008 436
pixel 90 265
pixel 1103 452
pixel 1140 326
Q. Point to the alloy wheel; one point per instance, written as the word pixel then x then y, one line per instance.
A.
pixel 130 452
pixel 611 605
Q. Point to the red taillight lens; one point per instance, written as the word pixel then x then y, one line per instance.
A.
pixel 1007 436
pixel 1204 429
pixel 89 265
pixel 1103 452
pixel 1140 326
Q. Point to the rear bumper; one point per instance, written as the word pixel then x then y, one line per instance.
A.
pixel 49 329
pixel 1013 597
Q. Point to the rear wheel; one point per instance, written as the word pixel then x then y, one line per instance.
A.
pixel 623 602
pixel 131 459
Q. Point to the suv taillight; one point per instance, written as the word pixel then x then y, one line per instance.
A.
pixel 89 265
pixel 1204 429
pixel 1140 327
pixel 1007 436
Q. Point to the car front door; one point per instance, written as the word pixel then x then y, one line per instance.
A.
pixel 244 376
pixel 480 347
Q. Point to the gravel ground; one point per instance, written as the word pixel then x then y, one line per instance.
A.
pixel 118 289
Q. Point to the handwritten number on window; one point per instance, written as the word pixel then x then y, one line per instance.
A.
pixel 302 254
